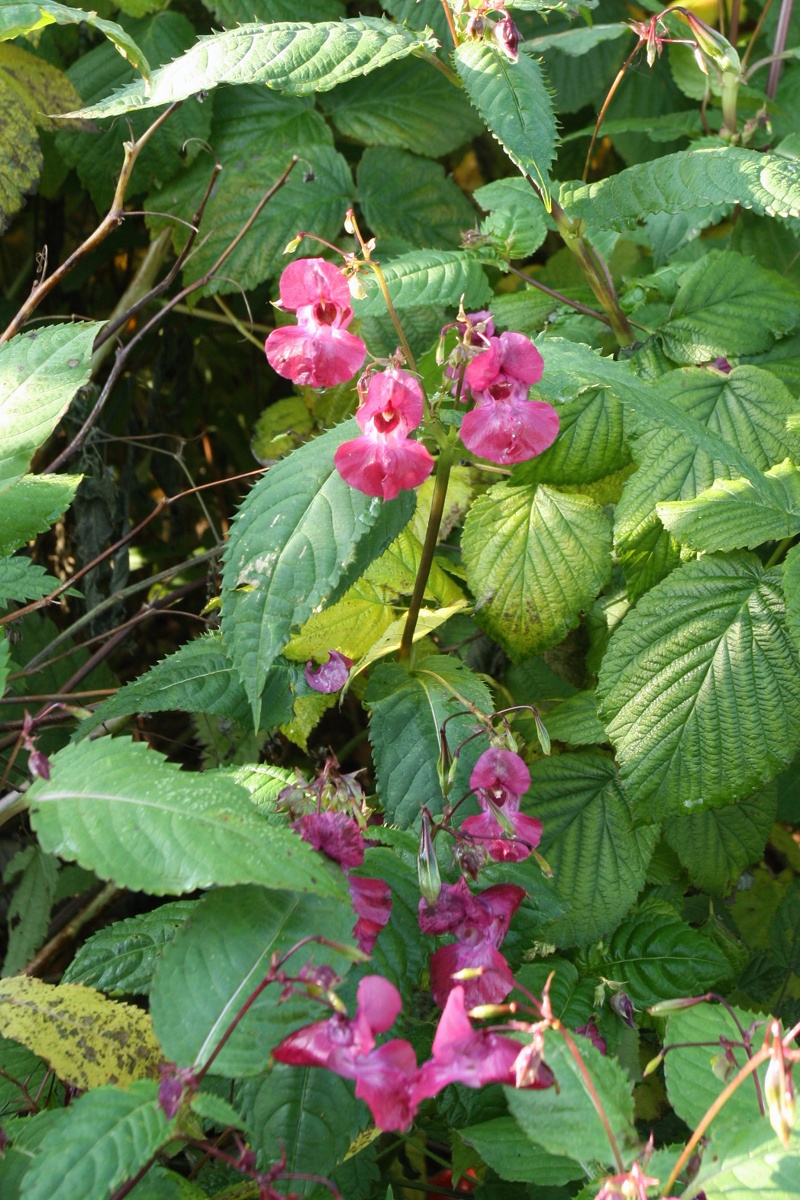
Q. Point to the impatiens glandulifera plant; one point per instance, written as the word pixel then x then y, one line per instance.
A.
pixel 453 833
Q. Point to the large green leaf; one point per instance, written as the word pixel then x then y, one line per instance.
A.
pixel 408 106
pixel 32 505
pixel 714 314
pixel 791 590
pixel 425 277
pixel 703 660
pixel 657 957
pixel 505 1148
pixel 765 183
pixel 408 197
pixel 300 539
pixel 514 102
pixel 565 1120
pixel 750 1162
pixel 122 957
pixel 715 846
pixel 590 443
pixel 123 811
pixel 535 558
pixel 225 949
pixel 729 515
pixel 40 372
pixel 407 708
pixel 22 17
pixel 599 859
pixel 290 56
pixel 109 1134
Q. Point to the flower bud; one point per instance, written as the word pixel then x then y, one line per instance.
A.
pixel 444 766
pixel 779 1091
pixel 713 47
pixel 667 1006
pixel 508 38
pixel 430 881
pixel 291 246
pixel 623 1007
pixel 542 734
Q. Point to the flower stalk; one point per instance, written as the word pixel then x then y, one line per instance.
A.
pixel 441 480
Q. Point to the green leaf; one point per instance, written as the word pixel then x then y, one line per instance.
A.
pixel 419 13
pixel 290 56
pixel 123 811
pixel 29 911
pixel 659 958
pixel 575 721
pixel 225 950
pixel 765 183
pixel 312 1114
pixel 717 845
pixel 231 12
pixel 425 277
pixel 32 505
pixel 517 222
pixel 571 998
pixel 692 1083
pixel 599 859
pixel 561 1120
pixel 748 1162
pixel 791 590
pixel 400 954
pixel 21 579
pixel 19 1065
pixel 535 558
pixel 122 957
pixel 702 660
pixel 514 102
pixel 729 515
pixel 408 106
pixel 108 1135
pixel 40 372
pixel 408 197
pixel 505 1148
pixel 407 708
pixel 299 540
pixel 714 314
pixel 590 444
pixel 578 41
pixel 27 16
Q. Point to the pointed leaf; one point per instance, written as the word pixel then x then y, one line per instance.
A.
pixel 21 579
pixel 749 1162
pixel 26 16
pixel 29 911
pixel 590 443
pixel 703 660
pixel 31 505
pixel 291 56
pixel 123 957
pixel 425 277
pixel 504 1147
pixel 717 845
pixel 123 811
pixel 657 957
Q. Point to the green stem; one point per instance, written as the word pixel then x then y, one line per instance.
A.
pixel 409 357
pixel 729 89
pixel 446 456
pixel 779 551
pixel 595 273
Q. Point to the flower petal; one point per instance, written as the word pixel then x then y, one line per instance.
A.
pixel 509 430
pixel 310 281
pixel 383 466
pixel 317 356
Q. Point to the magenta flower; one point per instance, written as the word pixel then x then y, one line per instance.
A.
pixel 335 834
pixel 372 900
pixel 499 779
pixel 385 1081
pixel 594 1035
pixel 384 461
pixel 505 426
pixel 317 352
pixel 471 952
pixel 329 676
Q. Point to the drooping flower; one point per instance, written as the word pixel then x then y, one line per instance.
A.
pixel 385 1081
pixel 499 780
pixel 505 426
pixel 590 1031
pixel 508 38
pixel 329 676
pixel 334 833
pixel 317 352
pixel 372 900
pixel 384 460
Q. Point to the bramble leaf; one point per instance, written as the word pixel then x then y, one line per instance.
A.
pixel 123 957
pixel 425 277
pixel 31 505
pixel 715 846
pixel 513 1156
pixel 27 16
pixel 658 957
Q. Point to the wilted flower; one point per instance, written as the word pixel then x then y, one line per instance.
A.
pixel 507 37
pixel 591 1031
pixel 372 900
pixel 329 676
pixel 317 352
pixel 335 834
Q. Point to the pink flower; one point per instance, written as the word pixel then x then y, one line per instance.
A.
pixel 384 461
pixel 329 676
pixel 317 352
pixel 471 952
pixel 505 426
pixel 590 1031
pixel 473 1057
pixel 335 834
pixel 499 779
pixel 339 1042
pixel 385 1081
pixel 372 900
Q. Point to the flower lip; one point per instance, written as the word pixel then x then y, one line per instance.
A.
pixel 311 282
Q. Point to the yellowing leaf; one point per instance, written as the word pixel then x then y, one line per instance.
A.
pixel 350 626
pixel 429 619
pixel 86 1038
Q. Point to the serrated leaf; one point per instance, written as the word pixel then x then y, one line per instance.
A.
pixel 703 659
pixel 290 56
pixel 659 958
pixel 729 515
pixel 517 222
pixel 563 1119
pixel 231 12
pixel 122 810
pixel 692 1083
pixel 428 621
pixel 765 183
pixel 505 1148
pixel 19 1065
pixel 514 102
pixel 105 1140
pixel 571 998
pixel 590 443
pixel 575 721
pixel 31 505
pixel 300 539
pixel 29 911
pixel 26 16
pixel 717 845
pixel 225 949
pixel 408 197
pixel 750 1162
pixel 713 313
pixel 791 590
pixel 40 372
pixel 21 579
pixel 535 558
pixel 408 106
pixel 217 1111
pixel 407 708
pixel 599 859
pixel 426 277
pixel 87 1039
pixel 123 957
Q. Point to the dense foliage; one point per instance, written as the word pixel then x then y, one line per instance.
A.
pixel 399 731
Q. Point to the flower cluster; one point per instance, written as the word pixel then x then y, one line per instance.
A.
pixel 387 1076
pixel 338 836
pixel 318 351
pixel 499 780
pixel 384 460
